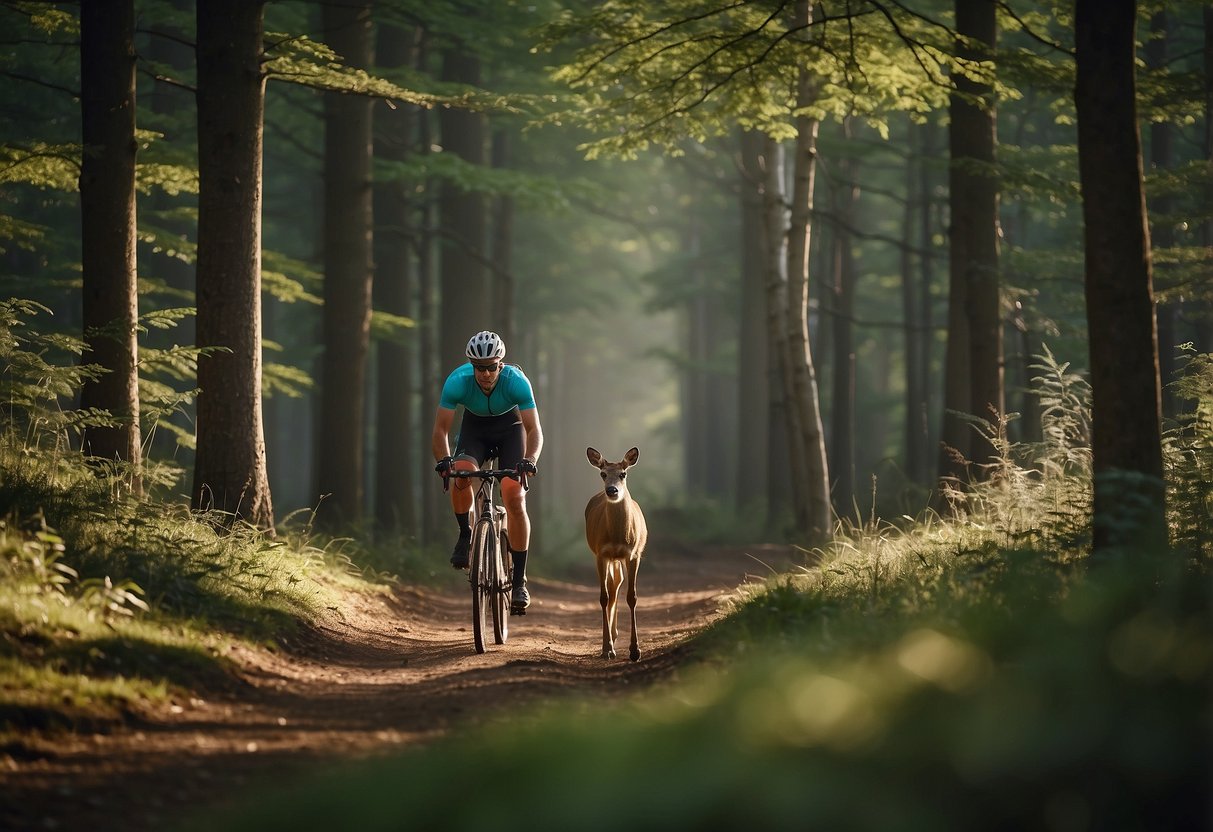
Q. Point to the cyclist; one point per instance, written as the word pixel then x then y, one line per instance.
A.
pixel 501 420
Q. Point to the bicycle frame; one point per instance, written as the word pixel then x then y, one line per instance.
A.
pixel 488 575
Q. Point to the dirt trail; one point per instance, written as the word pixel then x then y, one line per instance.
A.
pixel 380 674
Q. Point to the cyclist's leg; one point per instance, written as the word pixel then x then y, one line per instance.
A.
pixel 511 443
pixel 468 453
pixel 513 498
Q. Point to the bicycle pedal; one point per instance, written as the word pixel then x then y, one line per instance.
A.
pixel 517 610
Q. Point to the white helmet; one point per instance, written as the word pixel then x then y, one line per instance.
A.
pixel 486 345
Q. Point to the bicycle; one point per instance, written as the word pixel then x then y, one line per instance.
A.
pixel 488 574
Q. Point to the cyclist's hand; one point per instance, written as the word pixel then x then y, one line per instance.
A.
pixel 526 467
pixel 444 466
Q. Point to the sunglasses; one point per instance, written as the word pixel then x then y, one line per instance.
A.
pixel 487 368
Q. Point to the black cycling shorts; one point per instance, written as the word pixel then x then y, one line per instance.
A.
pixel 500 437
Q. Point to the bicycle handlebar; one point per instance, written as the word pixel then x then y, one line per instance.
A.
pixel 487 474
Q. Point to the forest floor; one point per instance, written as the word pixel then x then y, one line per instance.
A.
pixel 383 673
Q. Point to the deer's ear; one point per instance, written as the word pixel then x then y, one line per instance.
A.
pixel 594 457
pixel 632 456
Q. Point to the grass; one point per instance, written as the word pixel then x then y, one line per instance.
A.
pixel 921 680
pixel 978 671
pixel 109 606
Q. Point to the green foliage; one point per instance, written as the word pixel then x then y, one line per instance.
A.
pixel 35 375
pixel 42 165
pixel 107 604
pixel 689 70
pixel 298 59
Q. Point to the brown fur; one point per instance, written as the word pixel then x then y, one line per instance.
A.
pixel 616 532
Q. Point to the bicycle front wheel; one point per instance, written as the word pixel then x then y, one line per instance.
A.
pixel 483 546
pixel 500 591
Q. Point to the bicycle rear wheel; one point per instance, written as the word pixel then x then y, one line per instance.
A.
pixel 483 544
pixel 500 591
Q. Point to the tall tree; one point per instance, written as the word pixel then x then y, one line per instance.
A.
pixel 973 375
pixel 1204 326
pixel 107 214
pixel 811 475
pixel 501 251
pixel 1162 234
pixel 845 194
pixel 915 314
pixel 395 243
pixel 463 218
pixel 1129 510
pixel 348 143
pixel 754 406
pixel 230 465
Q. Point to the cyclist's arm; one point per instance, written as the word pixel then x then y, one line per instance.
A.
pixel 534 433
pixel 439 442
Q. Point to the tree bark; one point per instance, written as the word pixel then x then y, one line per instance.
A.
pixel 915 208
pixel 504 321
pixel 107 219
pixel 1126 402
pixel 753 428
pixel 347 275
pixel 974 374
pixel 1161 234
pixel 463 218
pixel 842 439
pixel 1204 313
pixel 396 446
pixel 811 479
pixel 230 464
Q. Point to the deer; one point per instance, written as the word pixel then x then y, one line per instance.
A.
pixel 616 532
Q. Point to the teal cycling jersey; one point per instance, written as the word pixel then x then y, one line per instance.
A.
pixel 513 389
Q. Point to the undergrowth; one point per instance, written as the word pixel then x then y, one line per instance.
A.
pixel 109 602
pixel 970 671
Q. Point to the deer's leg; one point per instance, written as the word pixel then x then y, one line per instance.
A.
pixel 604 598
pixel 616 583
pixel 633 569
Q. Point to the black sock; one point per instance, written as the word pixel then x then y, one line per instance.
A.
pixel 465 524
pixel 519 559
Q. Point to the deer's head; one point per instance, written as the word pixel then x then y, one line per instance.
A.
pixel 614 474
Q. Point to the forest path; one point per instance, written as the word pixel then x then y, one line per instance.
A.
pixel 380 674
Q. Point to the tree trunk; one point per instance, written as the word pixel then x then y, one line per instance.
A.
pixel 396 445
pixel 1204 313
pixel 694 375
pixel 463 220
pixel 107 230
pixel 753 381
pixel 811 479
pixel 1161 234
pixel 928 222
pixel 347 275
pixel 1125 397
pixel 786 455
pixel 230 465
pixel 974 374
pixel 915 367
pixel 504 320
pixel 435 505
pixel 842 440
